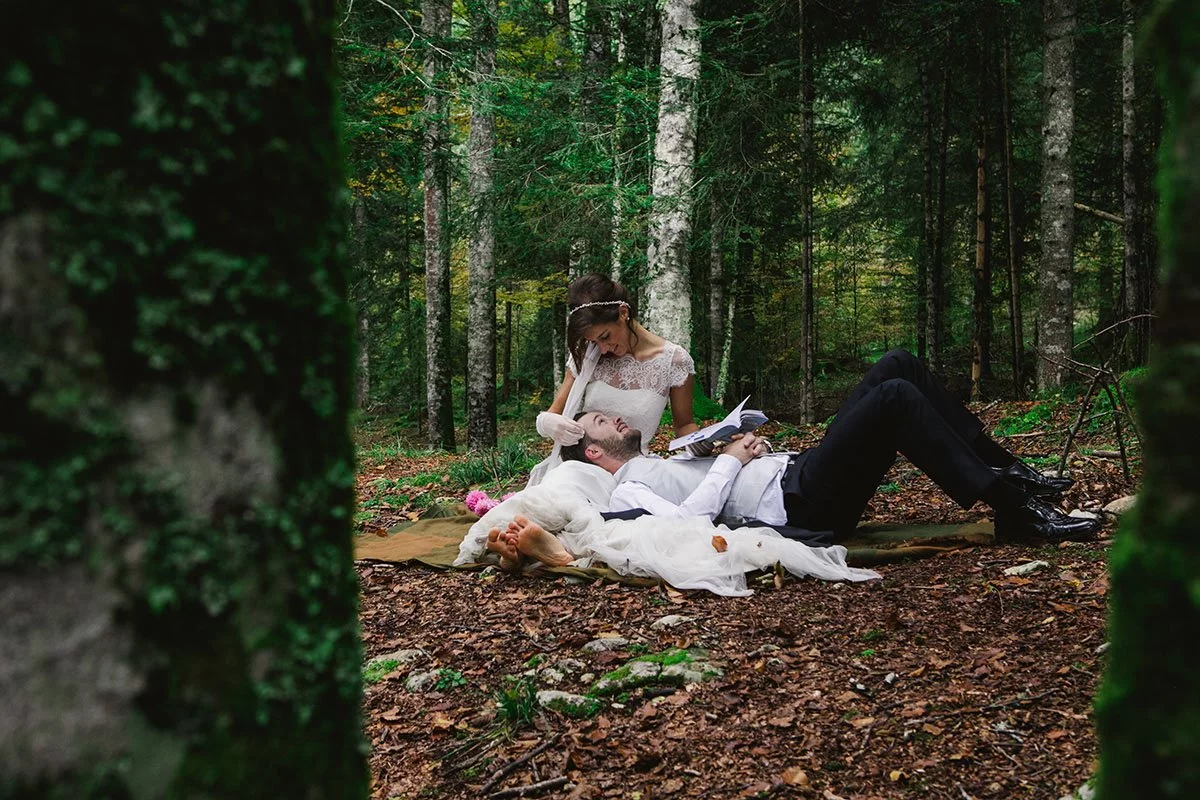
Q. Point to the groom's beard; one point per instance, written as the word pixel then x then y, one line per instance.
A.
pixel 623 446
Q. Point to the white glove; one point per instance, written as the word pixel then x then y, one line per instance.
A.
pixel 557 427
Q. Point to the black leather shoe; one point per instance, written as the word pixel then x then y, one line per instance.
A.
pixel 1027 478
pixel 1039 521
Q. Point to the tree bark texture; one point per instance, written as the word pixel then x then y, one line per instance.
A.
pixel 359 298
pixel 981 339
pixel 1148 709
pixel 1016 336
pixel 178 604
pixel 1135 301
pixel 807 129
pixel 481 310
pixel 937 267
pixel 926 254
pixel 1055 278
pixel 716 296
pixel 435 26
pixel 668 308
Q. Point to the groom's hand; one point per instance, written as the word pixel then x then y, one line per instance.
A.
pixel 746 447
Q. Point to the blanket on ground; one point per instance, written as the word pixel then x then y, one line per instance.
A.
pixel 434 540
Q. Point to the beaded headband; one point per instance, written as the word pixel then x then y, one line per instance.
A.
pixel 597 303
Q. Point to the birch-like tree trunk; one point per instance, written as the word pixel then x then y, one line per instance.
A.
pixel 1134 296
pixel 668 307
pixel 1016 337
pixel 435 26
pixel 807 161
pixel 1055 278
pixel 177 595
pixel 716 296
pixel 359 298
pixel 926 255
pixel 481 310
pixel 1148 709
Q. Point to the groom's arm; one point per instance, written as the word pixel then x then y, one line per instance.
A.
pixel 706 501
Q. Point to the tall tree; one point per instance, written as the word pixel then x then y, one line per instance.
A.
pixel 716 294
pixel 668 307
pixel 178 609
pixel 1014 257
pixel 981 338
pixel 1134 298
pixel 435 27
pixel 936 287
pixel 1148 711
pixel 481 315
pixel 807 165
pixel 1055 277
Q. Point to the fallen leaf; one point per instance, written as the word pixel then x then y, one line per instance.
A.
pixel 1057 733
pixel 441 721
pixel 719 544
pixel 932 730
pixel 896 775
pixel 781 722
pixel 794 776
pixel 1065 608
pixel 862 722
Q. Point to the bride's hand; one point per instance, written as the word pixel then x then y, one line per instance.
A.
pixel 557 427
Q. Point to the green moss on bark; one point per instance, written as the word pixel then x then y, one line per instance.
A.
pixel 1148 711
pixel 175 361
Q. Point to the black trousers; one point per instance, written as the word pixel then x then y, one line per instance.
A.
pixel 899 407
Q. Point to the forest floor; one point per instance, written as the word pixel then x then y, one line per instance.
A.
pixel 947 679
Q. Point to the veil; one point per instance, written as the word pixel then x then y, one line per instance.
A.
pixel 574 403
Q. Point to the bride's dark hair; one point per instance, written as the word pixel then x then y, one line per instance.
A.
pixel 595 288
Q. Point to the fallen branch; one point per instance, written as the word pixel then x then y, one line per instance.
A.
pixel 499 774
pixel 1104 215
pixel 533 788
pixel 990 707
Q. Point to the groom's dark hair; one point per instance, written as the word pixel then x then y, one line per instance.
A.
pixel 575 452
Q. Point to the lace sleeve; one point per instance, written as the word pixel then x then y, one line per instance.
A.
pixel 682 366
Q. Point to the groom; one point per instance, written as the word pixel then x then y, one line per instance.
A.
pixel 899 407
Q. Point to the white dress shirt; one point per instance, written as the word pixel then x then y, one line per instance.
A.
pixel 707 500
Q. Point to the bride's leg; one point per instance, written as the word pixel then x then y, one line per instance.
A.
pixel 506 548
pixel 535 542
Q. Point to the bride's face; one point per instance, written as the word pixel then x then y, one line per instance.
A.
pixel 611 337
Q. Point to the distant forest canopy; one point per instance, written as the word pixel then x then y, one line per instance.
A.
pixel 938 141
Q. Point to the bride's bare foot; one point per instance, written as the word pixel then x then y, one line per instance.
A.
pixel 505 546
pixel 535 542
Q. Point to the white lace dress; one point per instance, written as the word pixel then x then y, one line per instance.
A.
pixel 637 391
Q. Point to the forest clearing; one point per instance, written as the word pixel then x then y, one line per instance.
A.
pixel 949 678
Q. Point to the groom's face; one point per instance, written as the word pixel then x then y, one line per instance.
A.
pixel 611 433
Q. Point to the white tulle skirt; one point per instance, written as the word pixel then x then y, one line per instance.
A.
pixel 681 552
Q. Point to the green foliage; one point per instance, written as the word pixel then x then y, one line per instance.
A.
pixel 516 700
pixel 375 670
pixel 1033 419
pixel 508 464
pixel 449 679
pixel 1102 408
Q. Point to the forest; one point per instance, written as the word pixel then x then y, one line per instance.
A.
pixel 948 177
pixel 305 491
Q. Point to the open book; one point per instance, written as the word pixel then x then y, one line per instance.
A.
pixel 740 420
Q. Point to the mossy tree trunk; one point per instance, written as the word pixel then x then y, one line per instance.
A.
pixel 177 603
pixel 1148 713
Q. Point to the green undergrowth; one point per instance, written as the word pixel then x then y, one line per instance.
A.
pixel 1033 419
pixel 375 670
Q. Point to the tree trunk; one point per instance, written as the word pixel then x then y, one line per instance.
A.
pixel 1016 336
pixel 981 340
pixel 1132 289
pixel 668 308
pixel 617 225
pixel 435 26
pixel 359 298
pixel 1055 278
pixel 505 379
pixel 178 612
pixel 1148 706
pixel 926 256
pixel 558 341
pixel 481 312
pixel 716 298
pixel 937 272
pixel 807 161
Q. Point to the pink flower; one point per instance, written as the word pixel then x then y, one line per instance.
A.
pixel 473 499
pixel 510 494
pixel 485 505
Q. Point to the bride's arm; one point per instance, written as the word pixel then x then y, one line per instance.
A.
pixel 560 397
pixel 681 407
